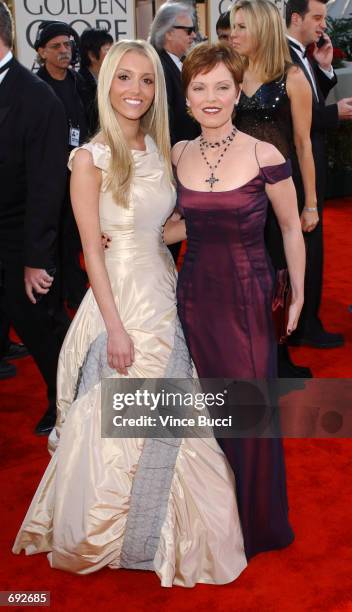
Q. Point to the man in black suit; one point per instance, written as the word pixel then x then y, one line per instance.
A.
pixel 306 24
pixel 172 34
pixel 33 159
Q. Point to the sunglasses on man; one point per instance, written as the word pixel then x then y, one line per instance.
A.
pixel 188 29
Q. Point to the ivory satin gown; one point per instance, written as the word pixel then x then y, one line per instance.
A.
pixel 96 504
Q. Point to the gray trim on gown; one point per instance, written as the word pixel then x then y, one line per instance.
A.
pixel 152 482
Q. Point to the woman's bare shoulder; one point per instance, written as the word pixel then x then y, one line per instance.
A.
pixel 178 149
pixel 296 77
pixel 83 164
pixel 268 154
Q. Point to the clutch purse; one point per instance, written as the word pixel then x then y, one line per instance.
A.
pixel 281 304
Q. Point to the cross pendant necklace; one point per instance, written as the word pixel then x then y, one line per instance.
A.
pixel 211 180
pixel 204 144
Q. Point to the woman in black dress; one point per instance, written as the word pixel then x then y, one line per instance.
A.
pixel 275 106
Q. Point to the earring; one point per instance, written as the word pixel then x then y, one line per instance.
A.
pixel 188 111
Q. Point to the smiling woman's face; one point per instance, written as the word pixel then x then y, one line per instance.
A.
pixel 212 96
pixel 133 86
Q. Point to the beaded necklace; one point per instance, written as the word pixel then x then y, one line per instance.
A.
pixel 205 144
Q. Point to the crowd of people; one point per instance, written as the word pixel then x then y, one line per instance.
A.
pixel 218 144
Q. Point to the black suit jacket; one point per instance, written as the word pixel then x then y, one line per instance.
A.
pixel 182 126
pixel 33 158
pixel 323 118
pixel 90 98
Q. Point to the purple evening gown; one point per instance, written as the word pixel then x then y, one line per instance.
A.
pixel 224 297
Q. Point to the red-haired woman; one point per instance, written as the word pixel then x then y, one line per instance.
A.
pixel 225 287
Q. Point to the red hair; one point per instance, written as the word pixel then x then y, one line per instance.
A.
pixel 205 56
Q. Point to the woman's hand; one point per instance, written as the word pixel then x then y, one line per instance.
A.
pixel 174 231
pixel 293 315
pixel 120 351
pixel 176 215
pixel 309 219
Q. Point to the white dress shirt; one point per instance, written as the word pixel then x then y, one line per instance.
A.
pixel 4 61
pixel 300 52
pixel 176 60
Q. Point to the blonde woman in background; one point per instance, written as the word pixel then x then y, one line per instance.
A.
pixel 275 106
pixel 133 503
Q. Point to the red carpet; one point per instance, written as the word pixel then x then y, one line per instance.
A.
pixel 315 573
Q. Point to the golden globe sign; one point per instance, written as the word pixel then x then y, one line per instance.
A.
pixel 116 16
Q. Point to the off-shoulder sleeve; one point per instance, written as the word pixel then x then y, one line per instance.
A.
pixel 277 173
pixel 99 152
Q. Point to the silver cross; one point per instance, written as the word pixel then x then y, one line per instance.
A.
pixel 211 180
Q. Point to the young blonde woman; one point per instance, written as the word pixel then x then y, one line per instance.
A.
pixel 133 503
pixel 275 106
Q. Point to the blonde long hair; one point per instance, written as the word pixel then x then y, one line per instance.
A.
pixel 154 122
pixel 265 24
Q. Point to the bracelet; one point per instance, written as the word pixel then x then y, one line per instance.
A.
pixel 310 208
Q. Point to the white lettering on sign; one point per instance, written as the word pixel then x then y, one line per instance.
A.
pixel 116 16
